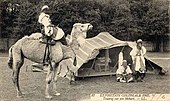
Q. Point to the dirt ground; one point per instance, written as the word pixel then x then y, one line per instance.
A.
pixel 33 84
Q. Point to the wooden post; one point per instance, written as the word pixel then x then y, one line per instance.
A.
pixel 106 59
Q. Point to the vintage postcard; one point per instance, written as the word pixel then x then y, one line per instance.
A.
pixel 84 50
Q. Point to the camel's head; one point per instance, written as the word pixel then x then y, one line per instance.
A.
pixel 82 27
pixel 79 32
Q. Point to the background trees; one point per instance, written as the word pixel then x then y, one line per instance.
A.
pixel 124 19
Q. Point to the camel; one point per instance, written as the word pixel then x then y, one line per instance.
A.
pixel 29 47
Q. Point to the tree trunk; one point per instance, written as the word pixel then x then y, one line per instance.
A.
pixel 8 44
pixel 157 43
pixel 165 43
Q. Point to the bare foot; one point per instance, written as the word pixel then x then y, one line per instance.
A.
pixel 57 94
pixel 48 96
pixel 73 82
pixel 19 95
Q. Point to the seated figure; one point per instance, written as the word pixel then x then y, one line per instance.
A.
pixel 124 73
pixel 50 33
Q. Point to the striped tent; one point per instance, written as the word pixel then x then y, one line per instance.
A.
pixel 106 41
pixel 92 46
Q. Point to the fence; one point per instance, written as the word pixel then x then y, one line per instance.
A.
pixel 6 43
pixel 149 46
pixel 164 47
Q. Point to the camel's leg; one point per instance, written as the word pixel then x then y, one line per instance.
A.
pixel 71 78
pixel 55 83
pixel 49 77
pixel 55 86
pixel 55 80
pixel 16 70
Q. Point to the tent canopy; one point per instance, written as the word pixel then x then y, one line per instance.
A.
pixel 96 47
pixel 92 46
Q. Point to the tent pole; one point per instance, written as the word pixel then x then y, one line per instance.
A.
pixel 107 59
pixel 151 66
pixel 92 66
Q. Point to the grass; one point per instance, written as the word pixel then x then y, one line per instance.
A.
pixel 33 85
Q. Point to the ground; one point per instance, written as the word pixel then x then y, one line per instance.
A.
pixel 33 83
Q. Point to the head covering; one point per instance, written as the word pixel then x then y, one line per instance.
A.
pixel 139 41
pixel 124 62
pixel 44 7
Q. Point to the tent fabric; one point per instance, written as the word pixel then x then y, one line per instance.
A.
pixel 154 66
pixel 92 46
pixel 106 41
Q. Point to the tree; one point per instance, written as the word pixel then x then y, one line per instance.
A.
pixel 124 19
pixel 7 17
pixel 151 18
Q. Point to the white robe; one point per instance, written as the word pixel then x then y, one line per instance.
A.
pixel 138 60
pixel 45 20
pixel 121 70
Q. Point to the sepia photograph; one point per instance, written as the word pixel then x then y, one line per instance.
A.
pixel 84 50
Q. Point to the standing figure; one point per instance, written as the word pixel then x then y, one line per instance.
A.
pixel 138 59
pixel 124 73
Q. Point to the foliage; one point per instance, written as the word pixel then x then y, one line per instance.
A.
pixel 124 19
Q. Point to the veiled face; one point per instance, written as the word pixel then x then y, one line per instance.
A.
pixel 124 64
pixel 82 27
pixel 139 45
